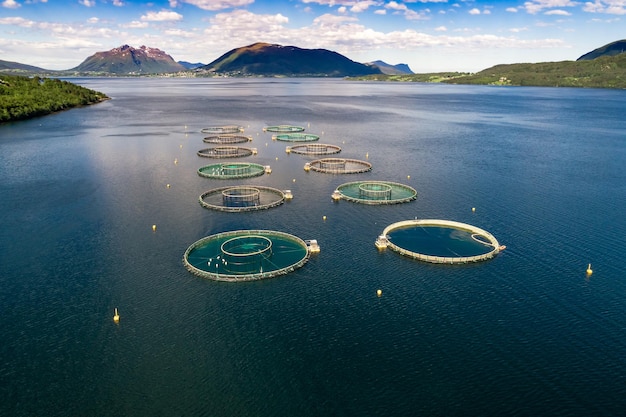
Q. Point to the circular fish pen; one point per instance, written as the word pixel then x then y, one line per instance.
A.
pixel 314 149
pixel 375 192
pixel 217 130
pixel 439 241
pixel 283 129
pixel 226 139
pixel 241 198
pixel 338 166
pixel 225 152
pixel 245 255
pixel 296 137
pixel 233 170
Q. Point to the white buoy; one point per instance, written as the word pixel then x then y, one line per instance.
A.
pixel 408 177
pixel 379 292
pixel 116 316
pixel 294 180
pixel 589 270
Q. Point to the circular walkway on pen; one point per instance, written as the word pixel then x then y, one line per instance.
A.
pixel 283 129
pixel 439 241
pixel 296 137
pixel 338 166
pixel 241 198
pixel 225 152
pixel 217 130
pixel 226 139
pixel 245 255
pixel 375 192
pixel 314 149
pixel 232 170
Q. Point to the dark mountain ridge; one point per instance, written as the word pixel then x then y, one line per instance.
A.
pixel 611 49
pixel 276 60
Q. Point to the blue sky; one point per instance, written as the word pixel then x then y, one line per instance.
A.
pixel 429 36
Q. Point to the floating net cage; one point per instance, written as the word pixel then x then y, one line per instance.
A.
pixel 296 137
pixel 217 130
pixel 226 139
pixel 225 152
pixel 439 241
pixel 283 129
pixel 245 255
pixel 242 198
pixel 231 170
pixel 375 192
pixel 338 166
pixel 314 149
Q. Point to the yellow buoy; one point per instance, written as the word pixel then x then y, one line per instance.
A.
pixel 168 186
pixel 473 208
pixel 589 270
pixel 175 161
pixel 294 180
pixel 324 218
pixel 116 316
pixel 408 177
pixel 154 227
pixel 379 292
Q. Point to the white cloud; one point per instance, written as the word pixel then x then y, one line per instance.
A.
pixel 361 6
pixel 536 6
pixel 10 4
pixel 617 7
pixel 518 30
pixel 381 12
pixel 17 21
pixel 87 3
pixel 474 11
pixel 511 9
pixel 214 5
pixel 558 13
pixel 162 16
pixel 441 29
pixel 135 24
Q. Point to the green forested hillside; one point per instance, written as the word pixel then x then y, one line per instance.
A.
pixel 603 72
pixel 25 97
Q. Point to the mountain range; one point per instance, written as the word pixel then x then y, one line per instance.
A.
pixel 258 59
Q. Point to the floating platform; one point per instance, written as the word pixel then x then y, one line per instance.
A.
pixel 439 241
pixel 314 149
pixel 245 255
pixel 375 192
pixel 226 152
pixel 226 139
pixel 217 130
pixel 283 129
pixel 241 198
pixel 296 137
pixel 233 170
pixel 338 166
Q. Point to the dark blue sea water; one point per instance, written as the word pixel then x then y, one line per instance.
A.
pixel 524 334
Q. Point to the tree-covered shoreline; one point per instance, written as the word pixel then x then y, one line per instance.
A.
pixel 603 72
pixel 23 98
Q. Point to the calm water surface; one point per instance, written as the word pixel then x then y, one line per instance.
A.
pixel 526 334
